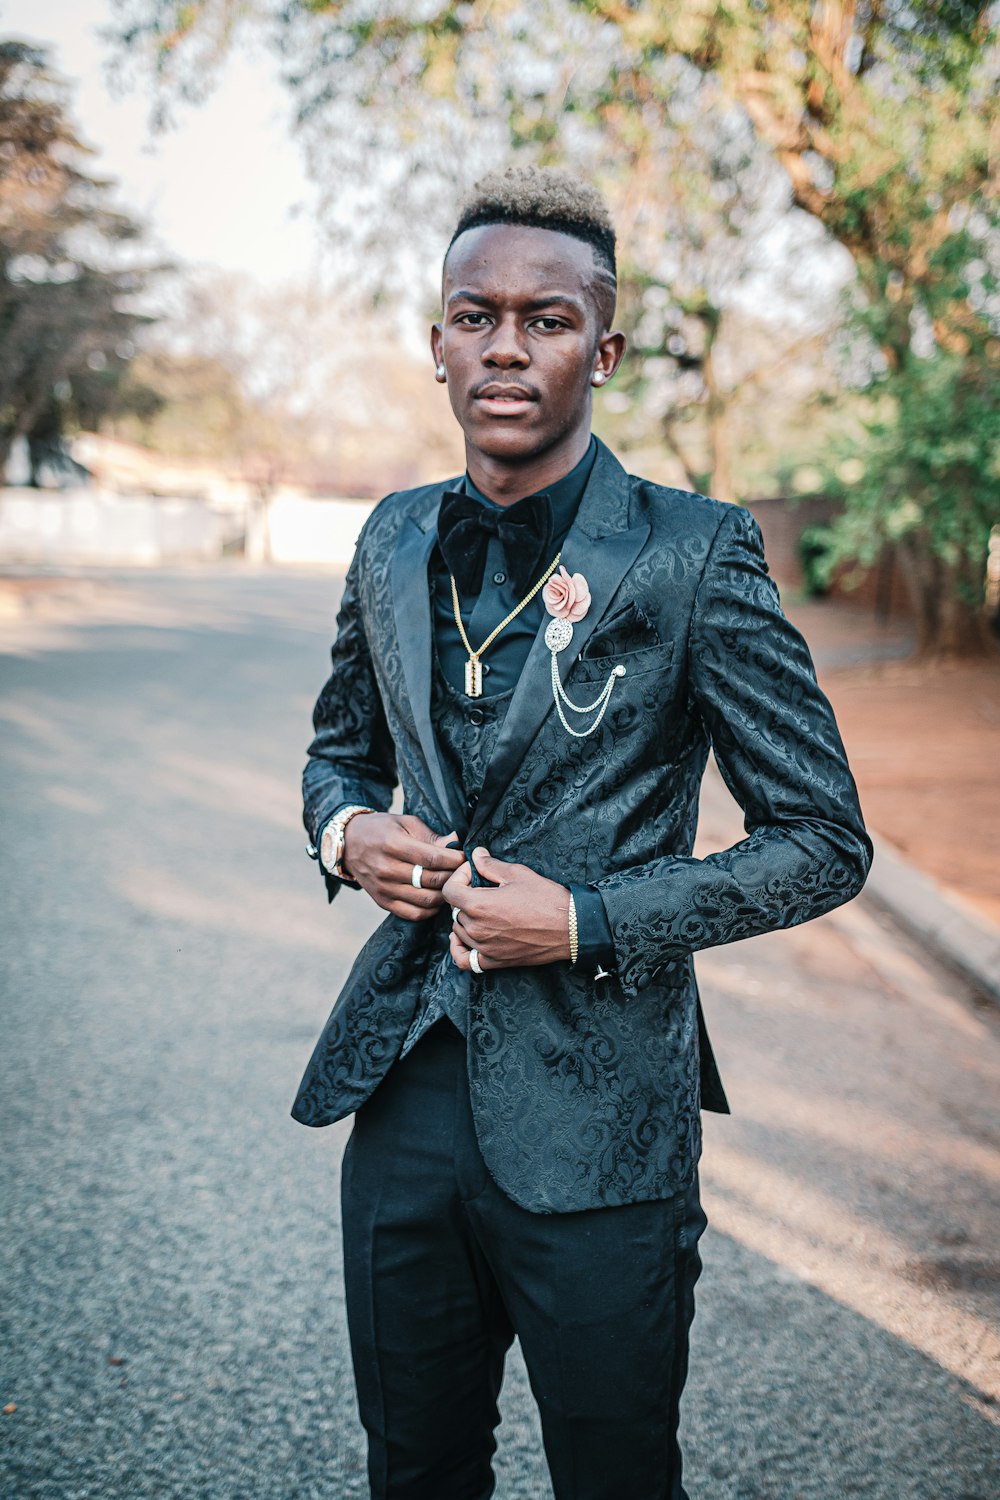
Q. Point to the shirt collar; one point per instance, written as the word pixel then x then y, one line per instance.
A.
pixel 564 496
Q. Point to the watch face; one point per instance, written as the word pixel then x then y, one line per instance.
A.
pixel 327 848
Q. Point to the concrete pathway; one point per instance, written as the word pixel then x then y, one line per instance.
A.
pixel 172 1326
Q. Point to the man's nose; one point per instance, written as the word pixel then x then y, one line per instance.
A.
pixel 507 348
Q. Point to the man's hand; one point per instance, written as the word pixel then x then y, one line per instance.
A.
pixel 521 922
pixel 380 850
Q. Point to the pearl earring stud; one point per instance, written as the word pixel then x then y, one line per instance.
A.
pixel 440 372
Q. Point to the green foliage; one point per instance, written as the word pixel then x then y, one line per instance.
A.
pixel 189 405
pixel 68 317
pixel 814 552
pixel 923 470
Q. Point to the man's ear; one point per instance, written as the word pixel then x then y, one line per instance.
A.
pixel 608 356
pixel 437 352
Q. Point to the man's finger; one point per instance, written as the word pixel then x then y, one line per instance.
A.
pixel 400 872
pixel 469 930
pixel 407 911
pixel 458 884
pixel 424 898
pixel 459 953
pixel 435 857
pixel 410 851
pixel 416 828
pixel 497 870
pixel 458 922
pixel 397 864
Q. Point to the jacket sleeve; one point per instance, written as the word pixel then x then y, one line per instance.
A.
pixel 778 748
pixel 351 758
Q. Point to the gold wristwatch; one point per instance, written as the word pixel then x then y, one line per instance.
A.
pixel 331 844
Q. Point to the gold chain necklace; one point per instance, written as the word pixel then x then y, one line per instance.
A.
pixel 473 667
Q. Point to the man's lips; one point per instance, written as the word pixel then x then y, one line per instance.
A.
pixel 504 400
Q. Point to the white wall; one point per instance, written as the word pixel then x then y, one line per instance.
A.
pixel 90 525
pixel 98 526
pixel 310 531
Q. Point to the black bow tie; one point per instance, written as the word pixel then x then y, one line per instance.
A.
pixel 465 526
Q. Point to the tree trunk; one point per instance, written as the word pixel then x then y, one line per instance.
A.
pixel 949 623
pixel 720 482
pixel 7 436
pixel 694 479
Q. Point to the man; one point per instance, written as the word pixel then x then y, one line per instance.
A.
pixel 541 654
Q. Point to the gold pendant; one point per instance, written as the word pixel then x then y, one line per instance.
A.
pixel 474 677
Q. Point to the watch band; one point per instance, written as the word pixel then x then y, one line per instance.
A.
pixel 331 844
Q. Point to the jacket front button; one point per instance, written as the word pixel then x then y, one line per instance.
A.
pixel 476 716
pixel 471 804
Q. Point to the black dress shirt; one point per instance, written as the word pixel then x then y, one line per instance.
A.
pixel 505 659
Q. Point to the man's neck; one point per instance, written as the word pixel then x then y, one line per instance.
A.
pixel 505 482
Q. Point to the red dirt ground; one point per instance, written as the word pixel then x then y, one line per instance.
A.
pixel 924 744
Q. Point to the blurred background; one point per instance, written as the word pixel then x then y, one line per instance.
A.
pixel 221 228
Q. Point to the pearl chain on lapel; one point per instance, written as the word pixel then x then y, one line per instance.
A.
pixel 567 599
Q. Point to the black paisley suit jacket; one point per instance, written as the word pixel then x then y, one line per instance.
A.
pixel 587 1093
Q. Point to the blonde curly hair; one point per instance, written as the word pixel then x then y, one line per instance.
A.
pixel 544 198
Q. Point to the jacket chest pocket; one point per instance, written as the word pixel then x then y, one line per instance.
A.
pixel 648 699
pixel 597 669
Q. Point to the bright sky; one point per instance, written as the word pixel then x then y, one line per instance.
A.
pixel 225 186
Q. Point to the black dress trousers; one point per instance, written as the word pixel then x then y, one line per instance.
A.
pixel 443 1270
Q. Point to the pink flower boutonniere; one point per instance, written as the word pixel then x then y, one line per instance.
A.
pixel 567 596
pixel 567 599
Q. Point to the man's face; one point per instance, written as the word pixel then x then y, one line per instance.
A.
pixel 520 338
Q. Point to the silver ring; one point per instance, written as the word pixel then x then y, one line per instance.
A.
pixel 417 877
pixel 474 963
pixel 456 912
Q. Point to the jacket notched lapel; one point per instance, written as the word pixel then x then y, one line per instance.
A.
pixel 411 602
pixel 599 546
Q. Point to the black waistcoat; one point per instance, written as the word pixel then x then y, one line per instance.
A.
pixel 466 730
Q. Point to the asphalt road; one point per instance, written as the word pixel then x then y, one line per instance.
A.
pixel 171 1315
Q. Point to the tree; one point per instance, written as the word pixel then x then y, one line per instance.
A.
pixel 68 313
pixel 925 478
pixel 277 385
pixel 879 112
pixel 429 105
pixel 882 115
pixel 711 318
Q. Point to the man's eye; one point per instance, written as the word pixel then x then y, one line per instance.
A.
pixel 471 317
pixel 550 325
